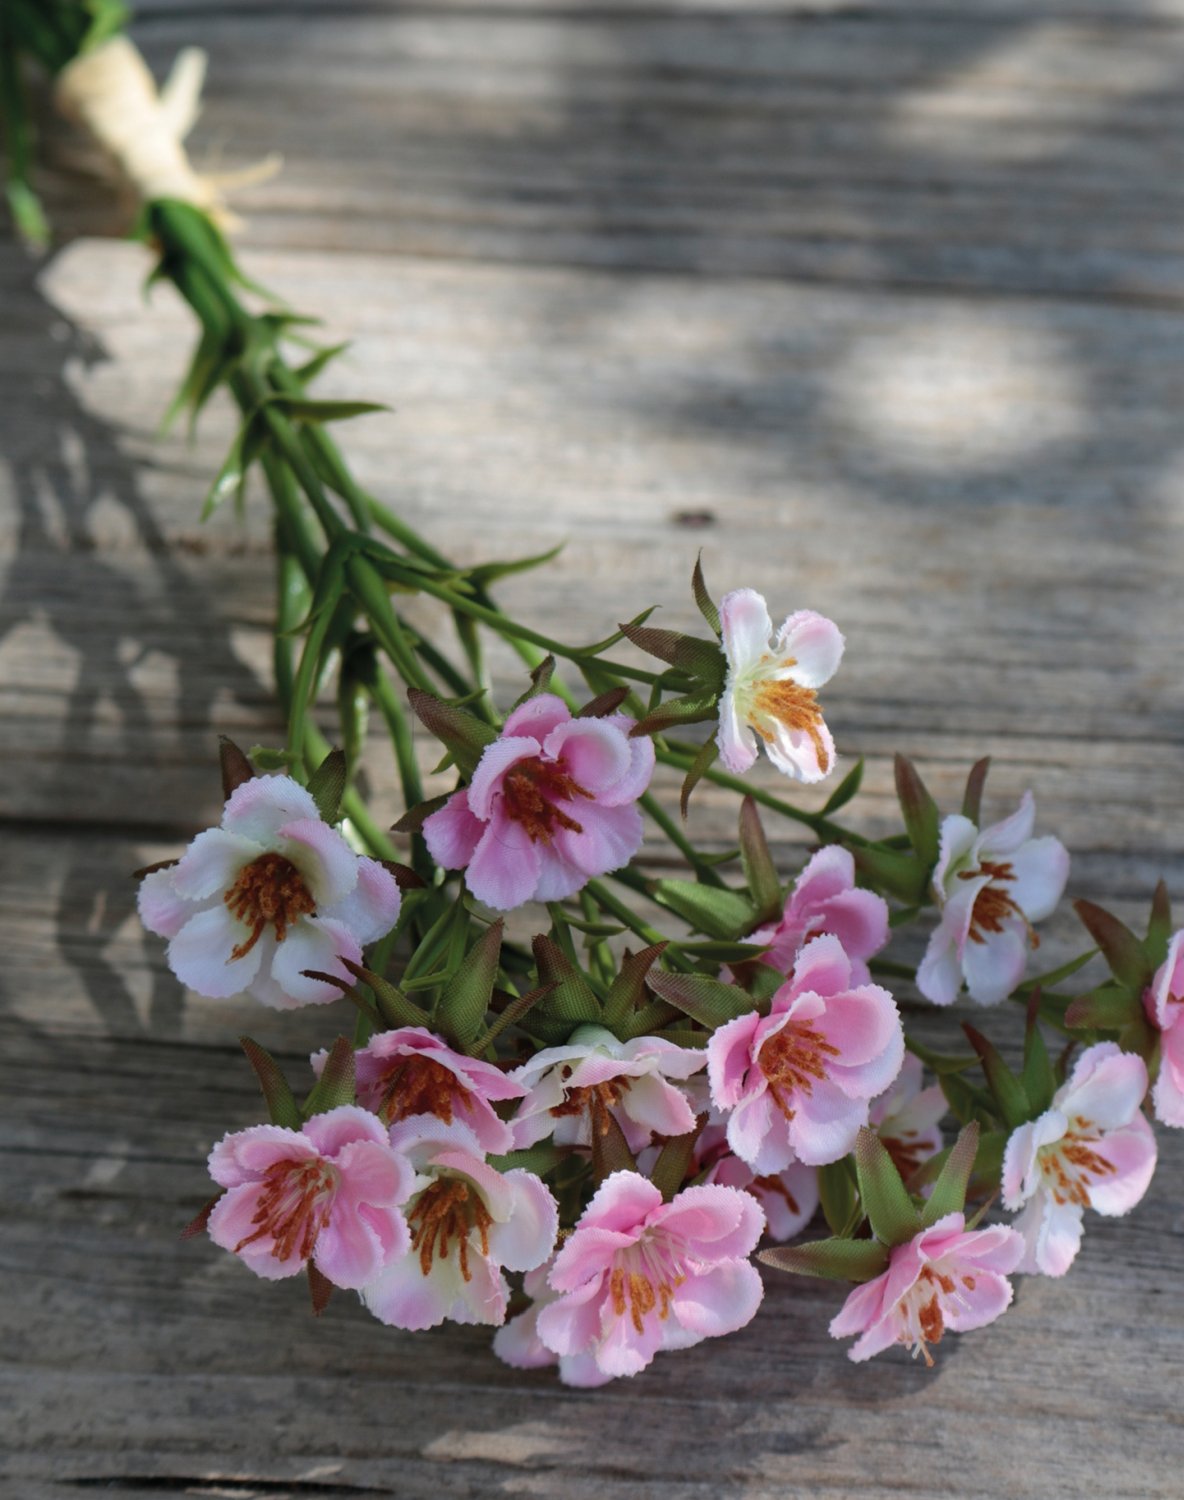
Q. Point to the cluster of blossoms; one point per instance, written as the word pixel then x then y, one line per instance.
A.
pixel 622 1130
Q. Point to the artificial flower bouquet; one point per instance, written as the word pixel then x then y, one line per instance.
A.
pixel 581 1137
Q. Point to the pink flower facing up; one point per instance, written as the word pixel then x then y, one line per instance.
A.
pixel 468 1221
pixel 825 898
pixel 272 892
pixel 638 1275
pixel 789 1198
pixel 991 887
pixel 411 1071
pixel 1093 1148
pixel 771 685
pixel 795 1084
pixel 572 1090
pixel 906 1118
pixel 945 1277
pixel 329 1192
pixel 1164 1003
pixel 552 804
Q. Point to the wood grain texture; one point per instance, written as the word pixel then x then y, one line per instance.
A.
pixel 879 306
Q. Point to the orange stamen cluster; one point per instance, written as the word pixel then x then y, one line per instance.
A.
pixel 447 1211
pixel 794 1058
pixel 419 1085
pixel 598 1099
pixel 293 1207
pixel 270 891
pixel 1069 1164
pixel 776 1185
pixel 992 905
pixel 530 790
pixel 635 1291
pixel 792 705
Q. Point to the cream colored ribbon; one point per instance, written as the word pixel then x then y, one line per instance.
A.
pixel 112 93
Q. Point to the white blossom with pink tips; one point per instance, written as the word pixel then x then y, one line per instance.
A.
pixel 638 1275
pixel 796 1084
pixel 770 693
pixel 552 803
pixel 945 1277
pixel 1164 1004
pixel 329 1192
pixel 907 1117
pixel 272 892
pixel 991 886
pixel 572 1090
pixel 1092 1148
pixel 825 899
pixel 411 1071
pixel 468 1222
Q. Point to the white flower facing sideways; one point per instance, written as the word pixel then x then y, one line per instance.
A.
pixel 771 686
pixel 991 887
pixel 272 892
pixel 1092 1148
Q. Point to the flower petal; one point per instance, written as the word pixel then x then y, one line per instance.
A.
pixel 504 870
pixel 259 808
pixel 816 645
pixel 212 863
pixel 1040 869
pixel 372 907
pixel 745 626
pixel 327 863
pixel 736 741
pixel 496 760
pixel 719 1301
pixel 161 910
pixel 200 954
pixel 537 717
pixel 314 943
pixel 453 833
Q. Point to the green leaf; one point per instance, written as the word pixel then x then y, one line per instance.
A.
pixel 704 759
pixel 1121 949
pixel 938 1062
pixel 1037 1075
pixel 282 1108
pixel 921 819
pixel 610 1150
pixel 393 1006
pixel 517 1008
pixel 603 704
pixel 326 785
pixel 1159 926
pixel 887 1204
pixel 464 735
pixel 540 680
pixel 573 1000
pixel 949 1192
pixel 845 790
pixel 716 951
pixel 703 660
pixel 1054 976
pixel 335 1086
pixel 972 798
pixel 236 768
pixel 540 1159
pixel 901 875
pixel 1108 1008
pixel 1006 1089
pixel 460 1014
pixel 309 409
pixel 487 573
pixel 704 999
pixel 714 910
pixel 415 817
pixel 311 368
pixel 836 1192
pixel 231 477
pixel 759 870
pixel 707 605
pixel 627 993
pixel 695 708
pixel 674 1160
pixel 834 1259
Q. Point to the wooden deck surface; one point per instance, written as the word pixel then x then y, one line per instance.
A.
pixel 880 305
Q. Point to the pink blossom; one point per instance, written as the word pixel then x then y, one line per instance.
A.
pixel 411 1071
pixel 770 690
pixel 467 1222
pixel 552 803
pixel 825 898
pixel 518 1343
pixel 906 1118
pixel 788 1198
pixel 991 887
pixel 272 892
pixel 1093 1148
pixel 329 1192
pixel 945 1277
pixel 1164 1003
pixel 571 1090
pixel 639 1275
pixel 796 1083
